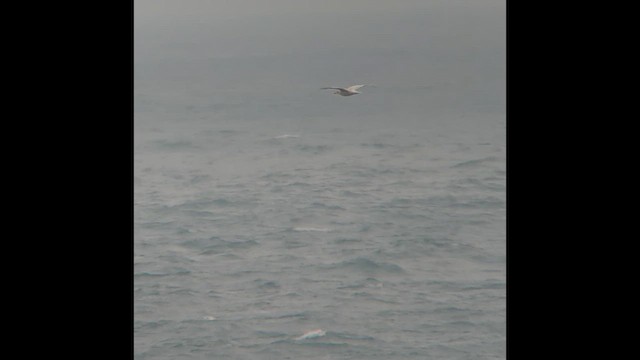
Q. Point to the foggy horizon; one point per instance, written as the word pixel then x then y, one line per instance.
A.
pixel 438 56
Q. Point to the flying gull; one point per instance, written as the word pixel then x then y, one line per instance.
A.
pixel 351 90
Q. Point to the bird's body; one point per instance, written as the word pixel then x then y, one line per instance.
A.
pixel 348 91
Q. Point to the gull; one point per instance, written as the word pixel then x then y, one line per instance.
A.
pixel 351 90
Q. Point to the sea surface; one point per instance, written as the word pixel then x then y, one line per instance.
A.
pixel 252 229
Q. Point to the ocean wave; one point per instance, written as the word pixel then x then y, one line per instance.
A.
pixel 147 325
pixel 314 343
pixel 204 203
pixel 311 334
pixel 266 284
pixel 156 224
pixel 367 283
pixel 368 266
pixel 475 184
pixel 164 144
pixel 197 179
pixel 350 336
pixel 275 315
pixel 475 162
pixel 192 207
pixel 229 132
pixel 311 229
pixel 270 334
pixel 287 136
pixel 365 296
pixel 349 193
pixel 319 205
pixel 347 240
pixel 377 145
pixel 173 272
pixel 226 245
pixel 216 244
pixel 313 149
pixel 485 202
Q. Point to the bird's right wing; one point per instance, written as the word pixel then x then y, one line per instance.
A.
pixel 334 88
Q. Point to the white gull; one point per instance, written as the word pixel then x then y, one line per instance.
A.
pixel 348 91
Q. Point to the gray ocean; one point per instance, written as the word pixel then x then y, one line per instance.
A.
pixel 265 212
pixel 388 236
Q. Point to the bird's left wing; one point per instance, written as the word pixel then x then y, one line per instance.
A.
pixel 354 87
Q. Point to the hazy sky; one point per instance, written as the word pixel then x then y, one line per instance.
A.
pixel 434 53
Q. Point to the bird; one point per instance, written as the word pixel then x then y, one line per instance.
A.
pixel 348 91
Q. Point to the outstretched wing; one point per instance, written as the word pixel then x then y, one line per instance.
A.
pixel 354 87
pixel 334 88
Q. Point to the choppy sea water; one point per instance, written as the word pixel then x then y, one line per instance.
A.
pixel 389 237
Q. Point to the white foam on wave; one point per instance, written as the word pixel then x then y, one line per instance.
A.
pixel 316 229
pixel 312 334
pixel 287 136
